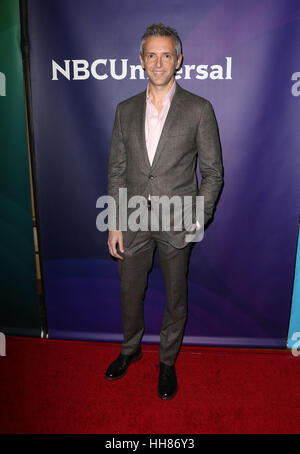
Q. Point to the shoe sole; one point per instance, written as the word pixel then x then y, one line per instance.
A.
pixel 134 360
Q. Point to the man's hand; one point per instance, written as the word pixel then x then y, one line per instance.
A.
pixel 115 237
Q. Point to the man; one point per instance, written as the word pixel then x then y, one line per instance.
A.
pixel 157 137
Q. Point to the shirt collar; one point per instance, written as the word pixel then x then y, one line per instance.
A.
pixel 168 96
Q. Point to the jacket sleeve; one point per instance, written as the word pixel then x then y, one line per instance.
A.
pixel 117 163
pixel 209 160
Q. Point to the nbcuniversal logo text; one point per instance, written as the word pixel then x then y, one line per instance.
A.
pixel 104 68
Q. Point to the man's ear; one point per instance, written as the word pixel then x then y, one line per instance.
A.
pixel 142 61
pixel 179 61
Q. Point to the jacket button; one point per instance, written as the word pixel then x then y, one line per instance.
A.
pixel 151 177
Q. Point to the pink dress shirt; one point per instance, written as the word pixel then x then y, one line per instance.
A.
pixel 154 121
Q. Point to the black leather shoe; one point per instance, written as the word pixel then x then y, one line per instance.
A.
pixel 118 368
pixel 167 382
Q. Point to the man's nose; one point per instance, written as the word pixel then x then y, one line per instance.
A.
pixel 159 61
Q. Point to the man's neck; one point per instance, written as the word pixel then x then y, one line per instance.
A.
pixel 158 92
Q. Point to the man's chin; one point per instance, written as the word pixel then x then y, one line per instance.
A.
pixel 159 82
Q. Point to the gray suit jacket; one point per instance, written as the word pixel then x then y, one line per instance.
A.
pixel 190 132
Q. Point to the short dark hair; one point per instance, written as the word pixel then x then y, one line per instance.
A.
pixel 161 30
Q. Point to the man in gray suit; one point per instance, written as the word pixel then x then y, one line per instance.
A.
pixel 158 135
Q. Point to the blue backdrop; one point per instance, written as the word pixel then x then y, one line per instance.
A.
pixel 82 64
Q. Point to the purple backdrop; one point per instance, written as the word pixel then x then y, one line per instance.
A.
pixel 240 279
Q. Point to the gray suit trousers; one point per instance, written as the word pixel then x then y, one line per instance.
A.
pixel 133 272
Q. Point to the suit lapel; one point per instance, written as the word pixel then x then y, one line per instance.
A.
pixel 141 113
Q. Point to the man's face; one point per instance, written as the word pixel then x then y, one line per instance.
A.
pixel 160 59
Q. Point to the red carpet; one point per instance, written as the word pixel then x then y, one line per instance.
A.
pixel 55 387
